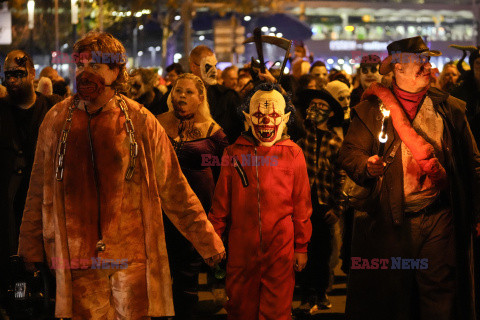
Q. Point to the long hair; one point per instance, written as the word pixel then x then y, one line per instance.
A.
pixel 204 108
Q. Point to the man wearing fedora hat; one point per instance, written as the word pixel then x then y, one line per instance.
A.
pixel 411 253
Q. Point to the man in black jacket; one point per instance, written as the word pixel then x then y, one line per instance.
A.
pixel 411 252
pixel 21 113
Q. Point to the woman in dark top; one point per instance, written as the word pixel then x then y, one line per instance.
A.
pixel 198 141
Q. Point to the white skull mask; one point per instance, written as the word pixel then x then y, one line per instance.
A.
pixel 267 117
pixel 208 69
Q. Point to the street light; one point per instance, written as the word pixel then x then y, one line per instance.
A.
pixel 31 10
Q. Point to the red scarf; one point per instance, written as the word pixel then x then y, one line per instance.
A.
pixel 409 101
pixel 422 151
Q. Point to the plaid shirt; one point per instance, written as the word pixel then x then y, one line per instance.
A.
pixel 325 171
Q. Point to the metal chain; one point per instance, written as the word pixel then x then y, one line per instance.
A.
pixel 62 148
pixel 131 135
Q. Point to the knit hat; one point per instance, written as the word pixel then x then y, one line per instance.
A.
pixel 370 59
pixel 335 87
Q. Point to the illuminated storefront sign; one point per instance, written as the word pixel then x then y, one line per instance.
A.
pixel 351 45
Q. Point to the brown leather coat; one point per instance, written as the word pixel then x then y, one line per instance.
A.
pixel 159 184
pixel 382 232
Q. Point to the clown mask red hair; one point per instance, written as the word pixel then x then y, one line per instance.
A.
pixel 266 117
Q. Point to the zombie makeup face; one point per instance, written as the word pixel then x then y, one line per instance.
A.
pixel 92 78
pixel 267 117
pixel 369 73
pixel 208 69
pixel 343 97
pixel 137 87
pixel 318 111
pixel 18 79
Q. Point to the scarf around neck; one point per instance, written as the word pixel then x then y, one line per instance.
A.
pixel 409 101
pixel 422 151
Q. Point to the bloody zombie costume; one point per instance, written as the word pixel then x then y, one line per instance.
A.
pixel 323 139
pixel 426 208
pixel 98 186
pixel 264 198
pixel 192 147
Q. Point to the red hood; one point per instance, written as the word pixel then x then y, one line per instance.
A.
pixel 247 139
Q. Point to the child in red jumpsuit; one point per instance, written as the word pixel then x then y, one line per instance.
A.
pixel 263 195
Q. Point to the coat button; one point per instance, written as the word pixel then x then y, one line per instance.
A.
pixel 396 221
pixel 20 152
pixel 19 171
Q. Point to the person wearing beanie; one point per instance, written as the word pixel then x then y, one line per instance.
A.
pixel 368 73
pixel 468 90
pixel 341 92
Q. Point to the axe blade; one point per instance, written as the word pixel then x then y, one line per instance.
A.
pixel 277 41
pixel 464 48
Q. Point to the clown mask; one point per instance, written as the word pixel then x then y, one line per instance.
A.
pixel 267 117
pixel 208 69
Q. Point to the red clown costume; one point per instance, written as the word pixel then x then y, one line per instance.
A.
pixel 263 196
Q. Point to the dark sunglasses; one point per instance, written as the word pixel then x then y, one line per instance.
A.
pixel 373 69
pixel 17 74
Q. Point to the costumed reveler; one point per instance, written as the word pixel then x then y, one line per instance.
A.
pixel 469 91
pixel 324 117
pixel 21 112
pixel 263 195
pixel 104 169
pixel 411 253
pixel 198 141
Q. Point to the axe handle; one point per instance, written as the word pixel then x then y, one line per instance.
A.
pixel 259 45
pixel 284 63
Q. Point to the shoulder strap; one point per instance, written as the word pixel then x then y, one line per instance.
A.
pixel 389 158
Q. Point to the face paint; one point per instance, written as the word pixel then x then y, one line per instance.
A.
pixel 267 117
pixel 343 98
pixel 208 69
pixel 318 111
pixel 369 74
pixel 90 85
pixel 346 113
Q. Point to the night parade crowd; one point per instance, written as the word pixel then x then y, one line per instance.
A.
pixel 117 170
